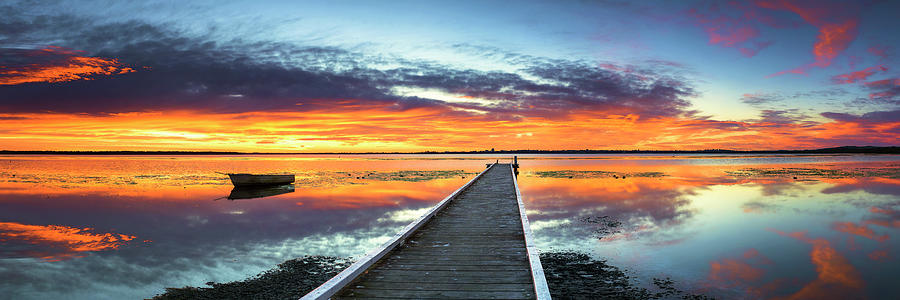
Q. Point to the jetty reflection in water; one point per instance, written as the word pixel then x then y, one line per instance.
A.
pixel 251 192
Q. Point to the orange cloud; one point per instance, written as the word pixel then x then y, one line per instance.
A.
pixel 832 40
pixel 381 128
pixel 65 65
pixel 60 242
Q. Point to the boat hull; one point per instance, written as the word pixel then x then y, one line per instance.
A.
pixel 260 180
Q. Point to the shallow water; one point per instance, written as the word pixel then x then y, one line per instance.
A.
pixel 724 225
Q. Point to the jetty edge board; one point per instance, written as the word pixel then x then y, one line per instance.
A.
pixel 344 278
pixel 541 290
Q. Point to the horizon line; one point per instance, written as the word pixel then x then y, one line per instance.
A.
pixel 832 150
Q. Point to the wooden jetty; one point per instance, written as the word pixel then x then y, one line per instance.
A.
pixel 474 244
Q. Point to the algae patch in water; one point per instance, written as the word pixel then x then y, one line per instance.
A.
pixel 593 174
pixel 332 178
pixel 415 175
pixel 816 172
pixel 603 226
pixel 74 181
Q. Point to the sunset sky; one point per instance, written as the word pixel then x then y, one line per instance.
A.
pixel 361 76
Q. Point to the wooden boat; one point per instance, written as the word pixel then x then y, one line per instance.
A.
pixel 258 180
pixel 259 191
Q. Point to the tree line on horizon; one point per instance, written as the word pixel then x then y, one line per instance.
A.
pixel 843 149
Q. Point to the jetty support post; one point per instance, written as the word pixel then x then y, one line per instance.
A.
pixel 515 165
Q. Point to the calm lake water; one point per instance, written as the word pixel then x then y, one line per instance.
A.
pixel 731 226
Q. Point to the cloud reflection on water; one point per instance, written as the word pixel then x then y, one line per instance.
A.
pixel 55 243
pixel 671 223
pixel 195 239
pixel 696 222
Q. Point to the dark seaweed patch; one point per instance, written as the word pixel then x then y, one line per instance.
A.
pixel 816 172
pixel 593 174
pixel 290 280
pixel 603 226
pixel 414 175
pixel 575 275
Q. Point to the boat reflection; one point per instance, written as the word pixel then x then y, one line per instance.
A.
pixel 250 192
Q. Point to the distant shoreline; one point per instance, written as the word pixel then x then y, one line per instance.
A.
pixel 836 150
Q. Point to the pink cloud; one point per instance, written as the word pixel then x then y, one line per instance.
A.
pixel 853 77
pixel 755 48
pixel 837 24
pixel 884 89
pixel 880 51
pixel 884 82
pixel 734 26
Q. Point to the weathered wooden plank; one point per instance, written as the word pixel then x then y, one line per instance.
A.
pixel 485 263
pixel 424 267
pixel 414 279
pixel 456 251
pixel 453 244
pixel 440 257
pixel 409 294
pixel 456 274
pixel 524 287
pixel 444 243
pixel 465 250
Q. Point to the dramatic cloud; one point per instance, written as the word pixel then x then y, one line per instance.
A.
pixel 193 73
pixel 194 90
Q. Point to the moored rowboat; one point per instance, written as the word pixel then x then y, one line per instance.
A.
pixel 257 180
